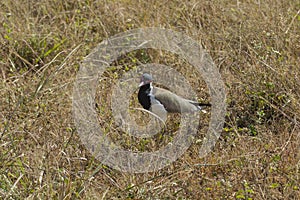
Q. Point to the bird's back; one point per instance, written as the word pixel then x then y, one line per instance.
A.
pixel 172 102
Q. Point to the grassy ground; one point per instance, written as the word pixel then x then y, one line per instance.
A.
pixel 255 45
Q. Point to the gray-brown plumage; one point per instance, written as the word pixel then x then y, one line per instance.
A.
pixel 150 97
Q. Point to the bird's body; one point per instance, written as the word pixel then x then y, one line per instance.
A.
pixel 161 99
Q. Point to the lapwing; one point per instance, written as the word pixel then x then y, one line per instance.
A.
pixel 161 101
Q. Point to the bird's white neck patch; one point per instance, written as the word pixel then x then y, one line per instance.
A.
pixel 151 89
pixel 153 100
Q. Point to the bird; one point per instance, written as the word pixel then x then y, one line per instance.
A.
pixel 161 101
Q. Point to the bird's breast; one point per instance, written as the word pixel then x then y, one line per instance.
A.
pixel 144 97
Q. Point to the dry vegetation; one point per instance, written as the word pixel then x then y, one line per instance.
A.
pixel 256 46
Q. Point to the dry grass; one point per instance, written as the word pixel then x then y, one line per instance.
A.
pixel 256 46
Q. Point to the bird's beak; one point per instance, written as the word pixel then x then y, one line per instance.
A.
pixel 141 84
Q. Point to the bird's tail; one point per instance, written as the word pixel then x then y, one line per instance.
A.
pixel 204 104
pixel 200 104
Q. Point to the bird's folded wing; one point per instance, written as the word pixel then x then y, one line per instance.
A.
pixel 173 102
pixel 157 108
